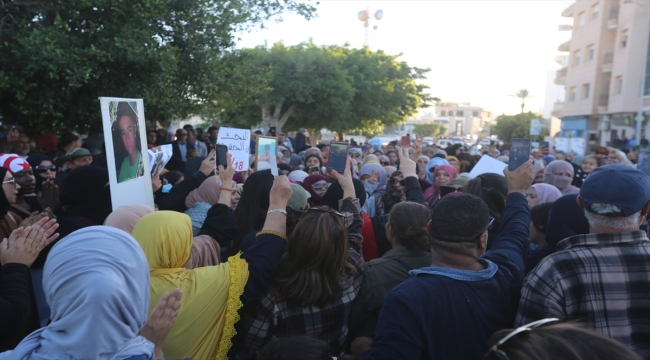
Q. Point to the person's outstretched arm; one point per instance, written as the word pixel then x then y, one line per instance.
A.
pixel 175 199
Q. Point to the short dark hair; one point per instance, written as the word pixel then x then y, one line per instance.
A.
pixel 188 126
pixel 68 138
pixel 191 131
pixel 213 128
pixel 295 347
pixel 560 342
pixel 321 146
pixel 409 223
pixel 492 188
pixel 457 221
pixel 539 215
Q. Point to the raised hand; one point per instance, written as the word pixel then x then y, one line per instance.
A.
pixel 208 164
pixel 280 193
pixel 374 177
pixel 226 175
pixel 161 320
pixel 406 164
pixel 49 196
pixel 520 179
pixel 156 183
pixel 345 180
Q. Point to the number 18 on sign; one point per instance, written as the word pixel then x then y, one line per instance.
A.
pixel 238 143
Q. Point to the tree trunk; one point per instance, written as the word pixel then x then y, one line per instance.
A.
pixel 275 118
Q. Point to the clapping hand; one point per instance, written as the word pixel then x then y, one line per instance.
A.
pixel 24 244
pixel 161 320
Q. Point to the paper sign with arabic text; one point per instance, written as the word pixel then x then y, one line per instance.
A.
pixel 238 142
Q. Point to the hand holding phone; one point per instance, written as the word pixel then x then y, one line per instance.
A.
pixel 338 156
pixel 222 160
pixel 313 170
pixel 406 141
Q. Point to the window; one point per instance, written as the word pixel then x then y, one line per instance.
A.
pixel 594 11
pixel 572 94
pixel 475 113
pixel 585 91
pixel 581 19
pixel 590 52
pixel 619 85
pixel 459 113
pixel 576 57
pixel 624 39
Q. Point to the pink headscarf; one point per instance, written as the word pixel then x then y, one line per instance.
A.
pixel 546 193
pixel 563 183
pixel 208 192
pixel 125 217
pixel 434 189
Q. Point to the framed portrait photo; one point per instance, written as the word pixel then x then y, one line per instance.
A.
pixel 266 150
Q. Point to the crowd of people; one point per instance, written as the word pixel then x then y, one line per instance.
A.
pixel 403 255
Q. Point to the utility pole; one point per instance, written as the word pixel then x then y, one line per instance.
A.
pixel 365 16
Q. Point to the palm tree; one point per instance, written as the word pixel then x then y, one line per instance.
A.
pixel 523 94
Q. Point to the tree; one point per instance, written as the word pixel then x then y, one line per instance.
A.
pixel 523 94
pixel 516 126
pixel 57 58
pixel 331 87
pixel 430 129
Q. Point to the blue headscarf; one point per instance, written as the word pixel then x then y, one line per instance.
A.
pixel 96 281
pixel 433 163
pixel 357 150
pixel 548 159
pixel 383 177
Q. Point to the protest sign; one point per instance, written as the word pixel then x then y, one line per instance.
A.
pixel 487 164
pixel 125 139
pixel 158 158
pixel 265 154
pixel 238 143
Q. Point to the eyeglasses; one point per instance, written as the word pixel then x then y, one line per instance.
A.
pixel 331 212
pixel 42 169
pixel 11 181
pixel 500 354
pixel 396 181
pixel 385 163
pixel 356 155
pixel 321 186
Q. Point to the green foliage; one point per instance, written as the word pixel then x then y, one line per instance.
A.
pixel 429 129
pixel 57 58
pixel 516 126
pixel 523 94
pixel 333 87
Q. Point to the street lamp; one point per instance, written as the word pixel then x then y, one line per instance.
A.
pixel 365 16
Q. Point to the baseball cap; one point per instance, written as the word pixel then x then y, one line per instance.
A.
pixel 298 200
pixel 620 185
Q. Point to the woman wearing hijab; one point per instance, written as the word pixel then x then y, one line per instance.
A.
pixel 212 295
pixel 453 161
pixel 125 217
pixel 355 154
pixel 9 220
pixel 316 185
pixel 26 201
pixel 542 193
pixel 393 195
pixel 383 160
pixel 430 169
pixel 298 176
pixel 442 175
pixel 565 219
pixel 560 175
pixel 200 200
pixel 96 314
pixel 373 190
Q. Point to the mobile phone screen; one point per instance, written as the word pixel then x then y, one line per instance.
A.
pixel 643 162
pixel 338 156
pixel 221 155
pixel 406 141
pixel 313 170
pixel 519 153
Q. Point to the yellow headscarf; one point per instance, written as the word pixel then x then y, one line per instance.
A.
pixel 211 295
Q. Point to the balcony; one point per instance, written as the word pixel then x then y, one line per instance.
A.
pixel 608 59
pixel 557 109
pixel 564 27
pixel 603 103
pixel 564 46
pixel 560 59
pixel 612 20
pixel 560 76
pixel 568 12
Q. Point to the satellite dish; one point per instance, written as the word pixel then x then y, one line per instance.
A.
pixel 379 14
pixel 362 15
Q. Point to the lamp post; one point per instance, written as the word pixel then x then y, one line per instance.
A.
pixel 365 16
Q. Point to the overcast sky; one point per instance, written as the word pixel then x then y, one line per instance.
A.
pixel 478 51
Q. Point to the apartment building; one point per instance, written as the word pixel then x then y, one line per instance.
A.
pixel 607 63
pixel 463 118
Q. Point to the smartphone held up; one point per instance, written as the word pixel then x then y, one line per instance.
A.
pixel 338 156
pixel 519 153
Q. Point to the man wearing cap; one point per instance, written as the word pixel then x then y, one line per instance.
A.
pixel 601 279
pixel 73 158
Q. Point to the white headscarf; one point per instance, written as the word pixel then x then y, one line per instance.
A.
pixel 96 281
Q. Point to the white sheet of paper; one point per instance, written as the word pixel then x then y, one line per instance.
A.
pixel 487 164
pixel 274 165
pixel 159 156
pixel 238 142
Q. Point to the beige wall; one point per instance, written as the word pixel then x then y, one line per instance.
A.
pixel 628 61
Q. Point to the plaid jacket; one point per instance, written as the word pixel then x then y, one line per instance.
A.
pixel 601 280
pixel 272 317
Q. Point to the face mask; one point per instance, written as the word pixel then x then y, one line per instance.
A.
pixel 370 187
pixel 166 188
